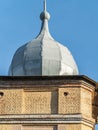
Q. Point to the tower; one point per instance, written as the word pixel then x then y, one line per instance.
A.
pixel 44 90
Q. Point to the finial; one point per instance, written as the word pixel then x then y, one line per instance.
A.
pixel 44 5
pixel 44 15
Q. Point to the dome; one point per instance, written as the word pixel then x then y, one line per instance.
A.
pixel 43 56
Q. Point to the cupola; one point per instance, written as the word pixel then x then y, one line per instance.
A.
pixel 43 56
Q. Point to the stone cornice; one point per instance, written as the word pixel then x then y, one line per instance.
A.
pixel 44 119
pixel 21 82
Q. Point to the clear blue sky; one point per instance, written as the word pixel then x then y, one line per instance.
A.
pixel 74 23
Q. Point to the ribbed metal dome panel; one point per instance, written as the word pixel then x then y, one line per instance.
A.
pixel 43 56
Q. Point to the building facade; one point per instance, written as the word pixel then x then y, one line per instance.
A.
pixel 47 103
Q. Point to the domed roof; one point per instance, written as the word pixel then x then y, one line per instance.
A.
pixel 43 56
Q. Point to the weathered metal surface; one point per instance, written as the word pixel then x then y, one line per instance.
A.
pixel 43 56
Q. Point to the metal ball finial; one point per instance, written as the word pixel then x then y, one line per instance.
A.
pixel 45 15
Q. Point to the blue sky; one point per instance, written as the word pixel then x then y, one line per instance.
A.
pixel 74 23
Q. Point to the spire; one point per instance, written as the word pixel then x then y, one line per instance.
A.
pixel 44 16
pixel 45 8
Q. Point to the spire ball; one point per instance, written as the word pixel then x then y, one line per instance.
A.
pixel 44 15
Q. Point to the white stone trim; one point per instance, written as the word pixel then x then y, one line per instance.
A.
pixel 44 119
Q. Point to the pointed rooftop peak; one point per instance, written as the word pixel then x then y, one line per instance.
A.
pixel 45 15
pixel 45 7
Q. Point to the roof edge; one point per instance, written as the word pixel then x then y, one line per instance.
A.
pixel 34 78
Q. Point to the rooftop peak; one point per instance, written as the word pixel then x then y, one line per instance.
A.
pixel 44 15
pixel 45 7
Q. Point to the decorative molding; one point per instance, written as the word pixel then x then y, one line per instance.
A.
pixel 44 119
pixel 9 81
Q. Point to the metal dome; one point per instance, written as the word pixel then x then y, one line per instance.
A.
pixel 43 56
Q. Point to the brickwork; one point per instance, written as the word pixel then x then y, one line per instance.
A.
pixel 39 128
pixel 69 104
pixel 95 106
pixel 18 101
pixel 70 127
pixel 37 102
pixel 86 103
pixel 40 102
pixel 11 102
pixel 59 127
pixel 74 127
pixel 10 127
pixel 85 127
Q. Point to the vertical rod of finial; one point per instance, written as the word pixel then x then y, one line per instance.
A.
pixel 44 5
